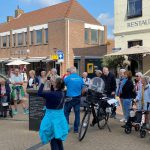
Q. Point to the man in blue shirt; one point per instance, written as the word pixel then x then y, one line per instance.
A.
pixel 74 84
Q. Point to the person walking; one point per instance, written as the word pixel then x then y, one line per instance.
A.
pixel 17 92
pixel 54 127
pixel 110 87
pixel 75 85
pixel 126 93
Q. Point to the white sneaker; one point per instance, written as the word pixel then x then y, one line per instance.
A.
pixel 125 121
pixel 122 120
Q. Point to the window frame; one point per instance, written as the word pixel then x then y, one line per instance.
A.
pixel 3 41
pixel 92 41
pixel 20 43
pixel 86 41
pixel 38 42
pixel 129 16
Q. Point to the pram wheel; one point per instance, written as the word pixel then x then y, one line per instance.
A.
pixel 142 133
pixel 128 130
pixel 137 127
pixel 11 113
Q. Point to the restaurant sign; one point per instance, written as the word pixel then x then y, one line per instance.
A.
pixel 138 23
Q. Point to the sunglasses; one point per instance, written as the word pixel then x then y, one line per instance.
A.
pixel 136 76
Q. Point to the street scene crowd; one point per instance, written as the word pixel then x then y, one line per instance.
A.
pixel 67 93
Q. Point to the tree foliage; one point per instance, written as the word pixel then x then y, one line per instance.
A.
pixel 113 61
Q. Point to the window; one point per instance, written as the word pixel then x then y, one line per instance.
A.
pixel 39 36
pixel 86 35
pixel 134 8
pixel 4 41
pixel 134 43
pixel 14 40
pixel 94 36
pixel 102 37
pixel 31 38
pixel 46 35
pixel 25 38
pixel 20 39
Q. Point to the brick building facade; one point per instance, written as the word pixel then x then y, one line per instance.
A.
pixel 67 26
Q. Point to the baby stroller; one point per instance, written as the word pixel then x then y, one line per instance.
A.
pixel 145 123
pixel 133 121
pixel 5 106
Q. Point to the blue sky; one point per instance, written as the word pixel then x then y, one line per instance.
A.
pixel 103 10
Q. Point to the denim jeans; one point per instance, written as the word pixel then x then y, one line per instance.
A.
pixel 56 144
pixel 127 105
pixel 75 104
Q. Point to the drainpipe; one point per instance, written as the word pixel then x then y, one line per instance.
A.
pixel 68 64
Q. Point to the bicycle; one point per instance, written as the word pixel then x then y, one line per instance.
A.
pixel 98 106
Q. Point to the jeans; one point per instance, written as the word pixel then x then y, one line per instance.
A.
pixel 56 144
pixel 75 103
pixel 127 105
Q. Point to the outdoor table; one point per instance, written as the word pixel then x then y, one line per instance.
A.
pixel 36 112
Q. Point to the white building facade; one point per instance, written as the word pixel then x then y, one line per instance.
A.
pixel 132 25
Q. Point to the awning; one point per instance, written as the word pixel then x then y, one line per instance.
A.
pixel 38 59
pixel 131 51
pixel 4 59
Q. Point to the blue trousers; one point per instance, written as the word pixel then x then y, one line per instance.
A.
pixel 75 104
pixel 127 106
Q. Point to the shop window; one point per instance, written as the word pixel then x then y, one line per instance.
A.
pixel 4 41
pixel 134 43
pixel 46 35
pixel 86 35
pixel 38 36
pixel 94 36
pixel 20 39
pixel 134 8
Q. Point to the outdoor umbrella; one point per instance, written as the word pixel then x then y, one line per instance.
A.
pixel 17 63
pixel 131 51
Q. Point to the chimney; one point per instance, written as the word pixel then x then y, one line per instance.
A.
pixel 9 18
pixel 18 12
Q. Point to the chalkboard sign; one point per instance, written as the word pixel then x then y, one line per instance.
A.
pixel 36 112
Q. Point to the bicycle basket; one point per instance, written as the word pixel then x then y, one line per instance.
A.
pixel 93 96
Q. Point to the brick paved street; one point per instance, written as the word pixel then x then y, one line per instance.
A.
pixel 14 135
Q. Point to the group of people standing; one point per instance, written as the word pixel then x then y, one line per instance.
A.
pixel 62 94
pixel 130 92
pixel 56 129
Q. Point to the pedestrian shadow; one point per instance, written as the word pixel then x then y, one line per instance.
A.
pixel 36 146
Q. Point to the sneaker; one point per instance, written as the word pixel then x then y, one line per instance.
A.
pixel 122 120
pixel 125 121
pixel 26 111
pixel 15 112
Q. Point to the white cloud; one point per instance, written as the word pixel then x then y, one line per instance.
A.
pixel 42 2
pixel 105 19
pixel 48 2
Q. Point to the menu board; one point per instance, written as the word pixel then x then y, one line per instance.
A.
pixel 36 112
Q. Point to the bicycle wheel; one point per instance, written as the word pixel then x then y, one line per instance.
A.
pixel 102 118
pixel 84 125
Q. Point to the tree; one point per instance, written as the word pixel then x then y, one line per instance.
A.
pixel 113 61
